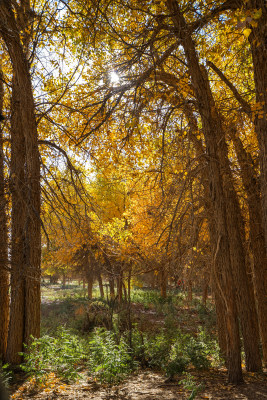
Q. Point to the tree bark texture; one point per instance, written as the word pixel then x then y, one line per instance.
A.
pixel 4 274
pixel 259 263
pixel 258 45
pixel 25 259
pixel 213 133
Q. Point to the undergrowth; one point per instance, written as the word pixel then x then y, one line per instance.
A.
pixel 109 358
pixel 108 342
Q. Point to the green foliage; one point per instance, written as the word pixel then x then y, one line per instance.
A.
pixel 189 384
pixel 157 350
pixel 5 374
pixel 171 354
pixel 63 354
pixel 110 360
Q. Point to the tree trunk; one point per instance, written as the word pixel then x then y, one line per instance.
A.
pixel 259 264
pixel 18 238
pixel 100 283
pixel 25 268
pixel 89 286
pixel 63 280
pixel 258 45
pixel 213 136
pixel 205 289
pixel 189 291
pixel 89 274
pixel 4 275
pixel 119 285
pixel 111 286
pixel 163 283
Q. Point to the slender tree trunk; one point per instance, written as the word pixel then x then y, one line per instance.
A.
pixel 4 275
pixel 189 291
pixel 100 283
pixel 111 286
pixel 89 274
pixel 89 286
pixel 63 280
pixel 163 283
pixel 129 283
pixel 205 289
pixel 119 285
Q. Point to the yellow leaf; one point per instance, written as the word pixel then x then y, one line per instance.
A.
pixel 257 14
pixel 246 32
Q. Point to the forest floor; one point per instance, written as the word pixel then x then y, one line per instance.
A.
pixel 151 386
pixel 65 307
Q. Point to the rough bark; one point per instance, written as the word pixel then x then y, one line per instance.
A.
pixel 259 264
pixel 213 135
pixel 258 45
pixel 227 210
pixel 4 275
pixel 18 238
pixel 25 272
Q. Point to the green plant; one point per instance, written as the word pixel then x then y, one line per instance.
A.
pixel 110 361
pixel 178 360
pixel 5 375
pixel 157 350
pixel 190 384
pixel 197 352
pixel 63 354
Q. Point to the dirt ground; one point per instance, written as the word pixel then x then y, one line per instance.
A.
pixel 151 386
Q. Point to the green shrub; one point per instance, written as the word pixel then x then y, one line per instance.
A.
pixel 197 352
pixel 63 354
pixel 110 361
pixel 178 360
pixel 190 384
pixel 157 351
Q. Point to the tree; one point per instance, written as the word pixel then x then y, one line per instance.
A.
pixel 25 189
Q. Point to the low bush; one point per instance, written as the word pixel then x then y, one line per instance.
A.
pixel 63 354
pixel 110 360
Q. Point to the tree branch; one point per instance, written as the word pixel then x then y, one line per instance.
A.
pixel 245 105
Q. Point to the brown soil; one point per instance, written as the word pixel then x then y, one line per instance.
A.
pixel 151 386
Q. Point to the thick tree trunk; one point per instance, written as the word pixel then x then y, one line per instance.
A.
pixel 225 300
pixel 16 332
pixel 4 275
pixel 259 264
pixel 25 259
pixel 213 136
pixel 258 45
